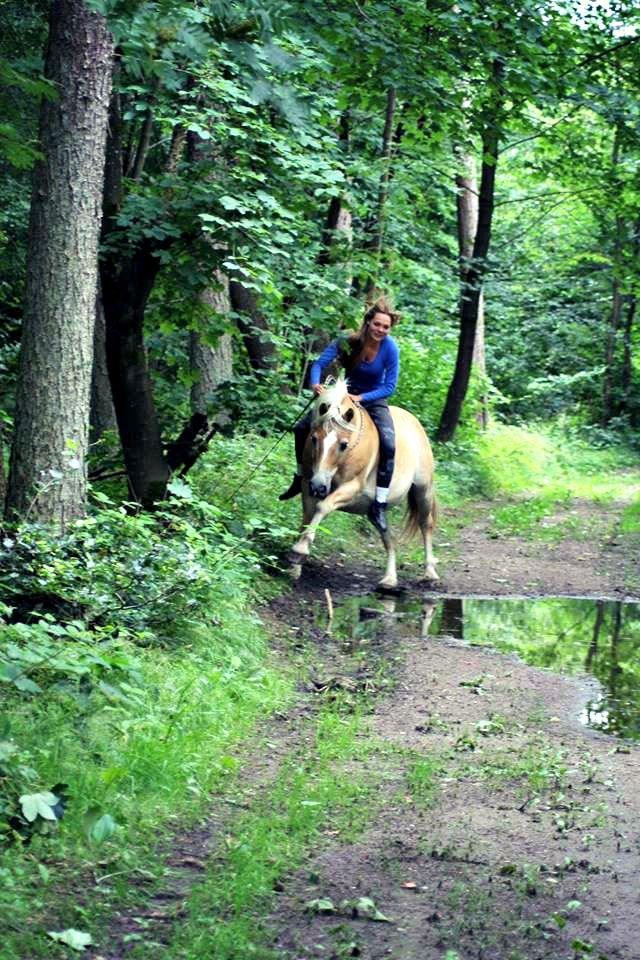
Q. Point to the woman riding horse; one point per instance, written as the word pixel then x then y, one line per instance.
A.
pixel 371 360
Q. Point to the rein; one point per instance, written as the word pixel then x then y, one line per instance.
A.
pixel 286 430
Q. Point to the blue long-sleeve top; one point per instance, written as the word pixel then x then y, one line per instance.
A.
pixel 373 380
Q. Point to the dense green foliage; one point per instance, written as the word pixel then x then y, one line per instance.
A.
pixel 265 92
pixel 131 656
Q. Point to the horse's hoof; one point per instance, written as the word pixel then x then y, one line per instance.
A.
pixel 295 571
pixel 388 584
pixel 295 557
pixel 431 575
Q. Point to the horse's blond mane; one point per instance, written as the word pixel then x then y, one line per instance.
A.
pixel 334 393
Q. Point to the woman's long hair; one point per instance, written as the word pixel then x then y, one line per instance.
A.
pixel 353 347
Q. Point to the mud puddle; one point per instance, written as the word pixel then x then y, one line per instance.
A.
pixel 503 828
pixel 567 635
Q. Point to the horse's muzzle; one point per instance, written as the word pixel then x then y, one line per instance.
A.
pixel 318 490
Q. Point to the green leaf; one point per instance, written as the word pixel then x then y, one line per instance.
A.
pixel 320 905
pixel 75 939
pixel 27 685
pixel 180 489
pixel 38 805
pixel 366 907
pixel 103 828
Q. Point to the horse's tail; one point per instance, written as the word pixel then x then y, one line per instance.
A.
pixel 416 511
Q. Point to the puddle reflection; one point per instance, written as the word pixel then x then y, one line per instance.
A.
pixel 597 637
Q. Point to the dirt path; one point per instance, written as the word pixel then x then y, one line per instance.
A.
pixel 522 841
pixel 500 829
pixel 597 561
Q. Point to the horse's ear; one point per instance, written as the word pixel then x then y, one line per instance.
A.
pixel 349 414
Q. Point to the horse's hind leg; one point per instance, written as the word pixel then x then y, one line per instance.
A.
pixel 425 501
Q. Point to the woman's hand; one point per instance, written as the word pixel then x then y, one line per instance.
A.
pixel 318 389
pixel 357 399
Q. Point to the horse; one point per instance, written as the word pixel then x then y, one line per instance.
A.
pixel 339 473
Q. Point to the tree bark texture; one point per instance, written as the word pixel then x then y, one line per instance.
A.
pixel 127 281
pixel 48 468
pixel 631 303
pixel 475 276
pixel 212 365
pixel 383 191
pixel 467 219
pixel 626 380
pixel 613 325
pixel 103 416
pixel 127 277
pixel 253 327
pixel 338 223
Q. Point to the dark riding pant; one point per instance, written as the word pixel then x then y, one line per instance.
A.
pixel 381 416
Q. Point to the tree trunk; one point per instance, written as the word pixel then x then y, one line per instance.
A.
pixel 475 277
pixel 626 379
pixel 48 467
pixel 212 365
pixel 467 211
pixel 338 232
pixel 126 286
pixel 383 192
pixel 103 416
pixel 627 366
pixel 612 332
pixel 253 327
pixel 615 316
pixel 127 278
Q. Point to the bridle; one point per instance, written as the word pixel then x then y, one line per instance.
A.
pixel 352 446
pixel 359 429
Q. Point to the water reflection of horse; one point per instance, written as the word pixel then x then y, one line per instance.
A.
pixel 339 473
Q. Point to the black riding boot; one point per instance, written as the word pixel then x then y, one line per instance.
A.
pixel 377 513
pixel 295 487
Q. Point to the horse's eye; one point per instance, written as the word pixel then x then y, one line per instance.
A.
pixel 314 440
pixel 322 409
pixel 343 445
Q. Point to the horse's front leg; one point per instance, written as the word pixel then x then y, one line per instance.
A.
pixel 298 555
pixel 320 509
pixel 390 579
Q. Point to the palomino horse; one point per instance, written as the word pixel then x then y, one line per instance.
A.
pixel 339 473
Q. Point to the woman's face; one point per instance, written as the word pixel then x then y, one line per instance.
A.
pixel 379 326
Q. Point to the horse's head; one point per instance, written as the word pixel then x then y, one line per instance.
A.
pixel 332 432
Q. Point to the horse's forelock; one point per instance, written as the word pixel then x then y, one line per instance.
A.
pixel 332 398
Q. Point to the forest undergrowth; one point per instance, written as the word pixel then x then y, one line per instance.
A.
pixel 134 662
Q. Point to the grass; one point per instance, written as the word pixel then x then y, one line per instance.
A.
pixel 151 753
pixel 540 472
pixel 312 794
pixel 423 779
pixel 538 766
pixel 630 520
pixel 150 766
